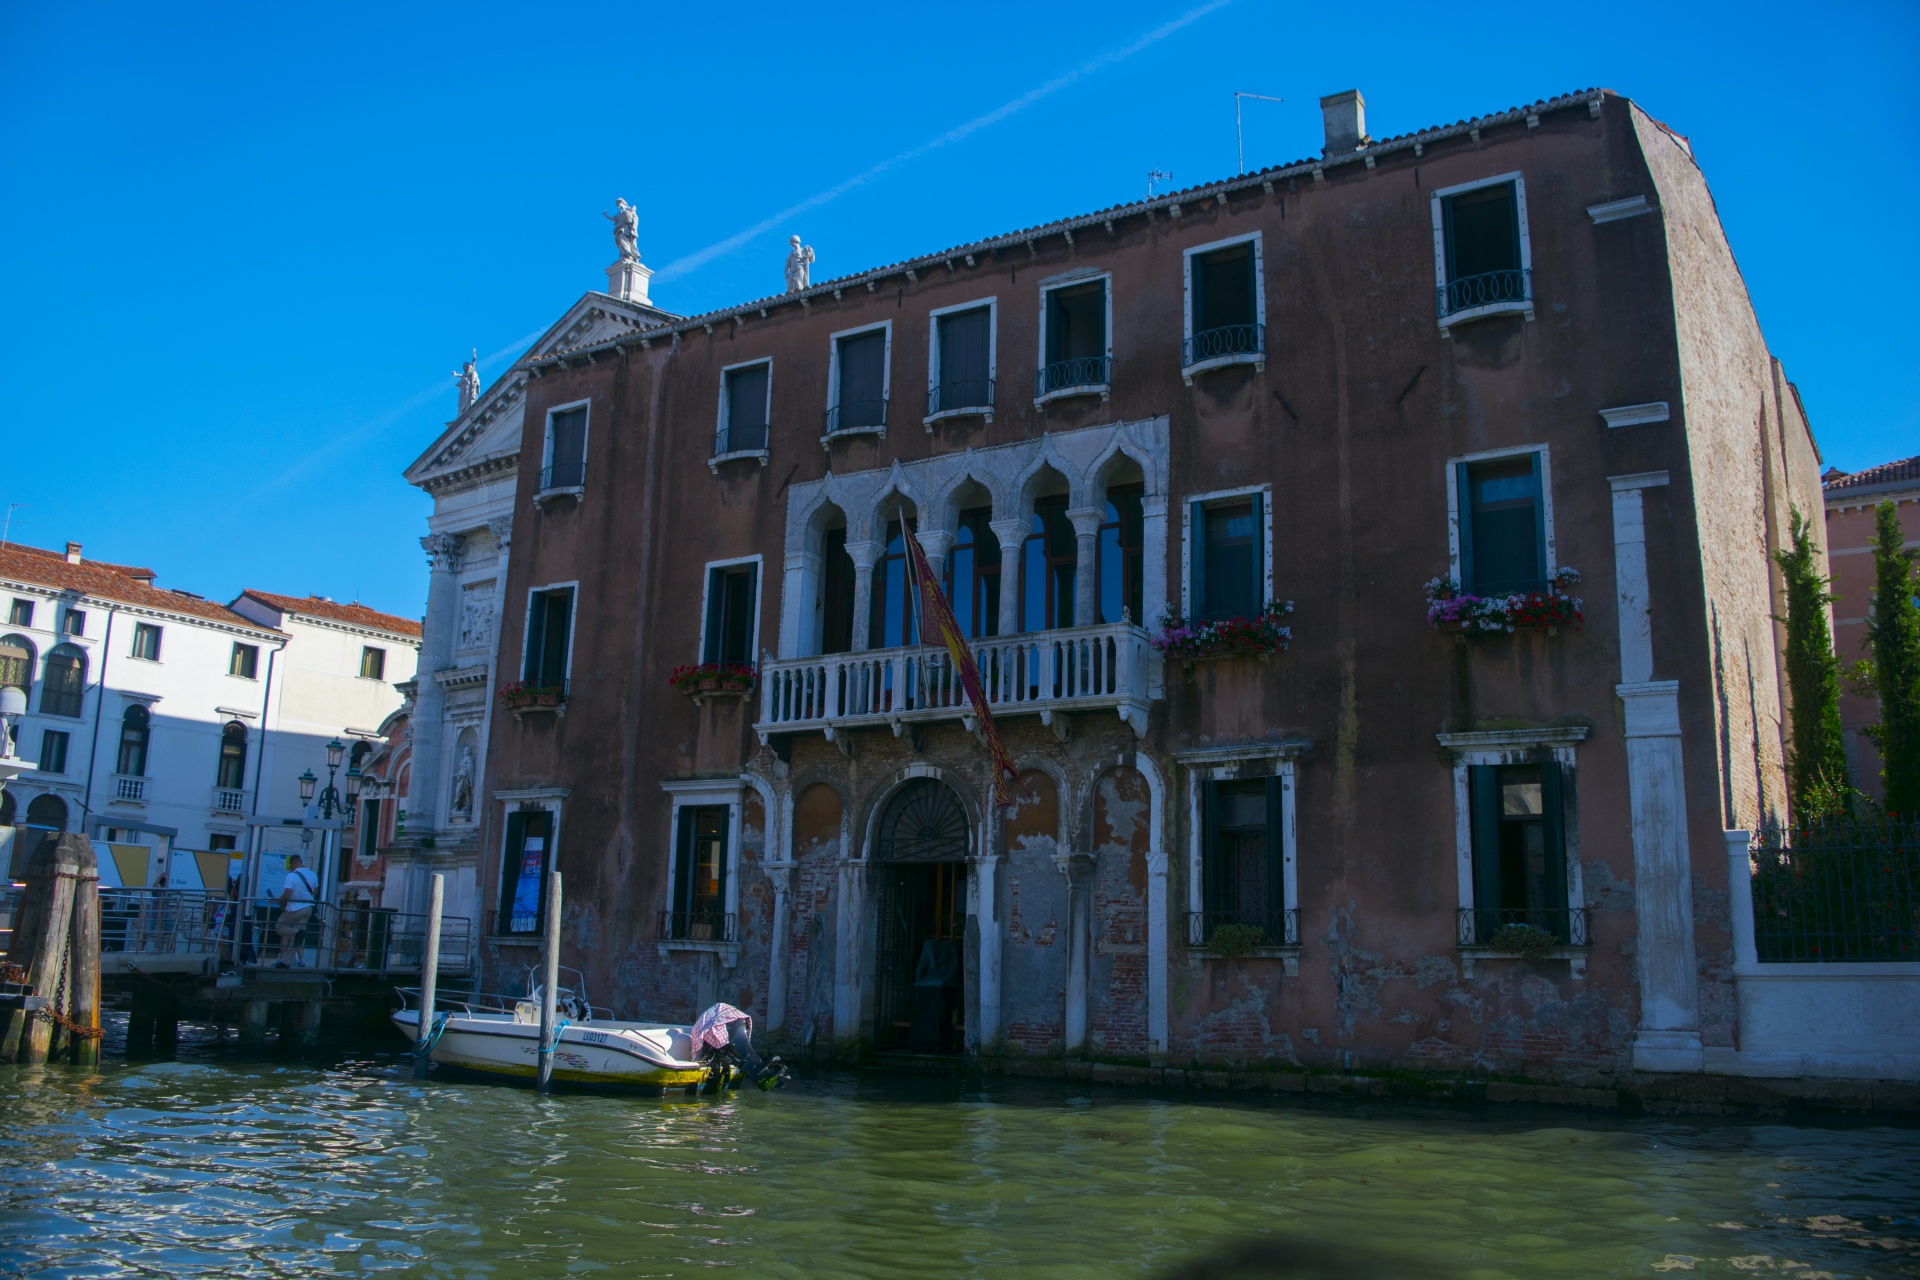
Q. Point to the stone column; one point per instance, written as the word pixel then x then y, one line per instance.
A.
pixel 864 555
pixel 1086 581
pixel 1668 1037
pixel 1157 951
pixel 849 933
pixel 1078 869
pixel 1011 534
pixel 430 701
pixel 1153 546
pixel 936 543
pixel 799 596
pixel 984 1031
pixel 780 875
pixel 1740 897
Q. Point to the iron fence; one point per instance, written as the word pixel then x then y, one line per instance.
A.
pixel 699 926
pixel 1843 891
pixel 745 438
pixel 1468 292
pixel 1082 373
pixel 1229 340
pixel 565 475
pixel 1276 928
pixel 963 393
pixel 851 414
pixel 1482 926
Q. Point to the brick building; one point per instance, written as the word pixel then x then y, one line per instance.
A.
pixel 1851 498
pixel 1491 352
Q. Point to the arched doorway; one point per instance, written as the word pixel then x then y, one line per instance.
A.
pixel 920 852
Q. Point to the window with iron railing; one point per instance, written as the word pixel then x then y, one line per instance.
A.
pixel 566 462
pixel 859 382
pixel 1519 855
pixel 1242 863
pixel 1224 308
pixel 1484 249
pixel 1075 345
pixel 744 406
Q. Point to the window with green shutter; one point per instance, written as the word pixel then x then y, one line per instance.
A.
pixel 1519 849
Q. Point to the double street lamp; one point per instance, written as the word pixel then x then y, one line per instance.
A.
pixel 330 799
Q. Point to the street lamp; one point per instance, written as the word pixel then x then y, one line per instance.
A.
pixel 331 801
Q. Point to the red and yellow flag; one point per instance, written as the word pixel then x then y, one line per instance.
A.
pixel 937 623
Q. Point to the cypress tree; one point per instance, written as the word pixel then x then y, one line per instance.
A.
pixel 1893 634
pixel 1817 759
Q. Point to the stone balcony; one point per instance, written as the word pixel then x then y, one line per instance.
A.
pixel 1082 669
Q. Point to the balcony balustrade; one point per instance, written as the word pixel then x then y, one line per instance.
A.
pixel 1230 344
pixel 1082 375
pixel 1509 290
pixel 131 789
pixel 229 800
pixel 1097 668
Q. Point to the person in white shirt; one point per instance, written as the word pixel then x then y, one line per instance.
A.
pixel 297 899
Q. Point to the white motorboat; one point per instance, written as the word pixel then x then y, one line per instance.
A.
pixel 499 1036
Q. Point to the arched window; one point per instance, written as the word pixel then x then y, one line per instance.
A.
pixel 232 774
pixel 973 574
pixel 48 811
pixel 892 623
pixel 135 727
pixel 1122 554
pixel 924 822
pixel 16 668
pixel 65 682
pixel 1047 564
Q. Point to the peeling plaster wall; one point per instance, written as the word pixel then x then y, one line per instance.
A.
pixel 1033 993
pixel 1117 982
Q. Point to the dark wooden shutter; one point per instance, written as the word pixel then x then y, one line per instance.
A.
pixel 1554 823
pixel 1213 875
pixel 736 644
pixel 1463 483
pixel 1257 591
pixel 716 614
pixel 536 635
pixel 683 859
pixel 1540 520
pixel 569 446
pixel 510 865
pixel 1484 789
pixel 963 358
pixel 1197 560
pixel 862 377
pixel 1197 274
pixel 1276 902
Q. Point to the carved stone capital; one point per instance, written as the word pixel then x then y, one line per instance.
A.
pixel 443 550
pixel 502 531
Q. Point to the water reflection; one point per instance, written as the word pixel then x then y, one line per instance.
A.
pixel 217 1166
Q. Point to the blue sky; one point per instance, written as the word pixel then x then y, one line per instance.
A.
pixel 242 247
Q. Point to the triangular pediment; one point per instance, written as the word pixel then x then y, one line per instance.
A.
pixel 490 428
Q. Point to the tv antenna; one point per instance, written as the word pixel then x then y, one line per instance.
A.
pixel 1239 139
pixel 6 530
pixel 1157 175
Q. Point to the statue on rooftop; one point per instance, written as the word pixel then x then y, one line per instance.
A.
pixel 469 379
pixel 799 266
pixel 626 231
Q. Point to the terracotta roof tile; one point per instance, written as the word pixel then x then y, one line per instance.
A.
pixel 1886 473
pixel 114 582
pixel 353 614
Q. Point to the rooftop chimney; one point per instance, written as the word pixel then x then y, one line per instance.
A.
pixel 73 553
pixel 1345 116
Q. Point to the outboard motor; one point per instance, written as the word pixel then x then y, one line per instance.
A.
pixel 723 1037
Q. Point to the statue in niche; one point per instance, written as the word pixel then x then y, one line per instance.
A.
pixel 799 266
pixel 469 379
pixel 463 783
pixel 626 231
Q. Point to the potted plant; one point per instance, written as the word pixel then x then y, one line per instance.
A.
pixel 1260 635
pixel 519 694
pixel 714 677
pixel 1452 608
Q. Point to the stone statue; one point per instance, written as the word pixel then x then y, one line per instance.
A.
pixel 799 264
pixel 626 231
pixel 469 379
pixel 463 783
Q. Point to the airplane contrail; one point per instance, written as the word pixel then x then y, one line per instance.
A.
pixel 700 257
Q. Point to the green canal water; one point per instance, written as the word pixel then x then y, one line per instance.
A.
pixel 217 1165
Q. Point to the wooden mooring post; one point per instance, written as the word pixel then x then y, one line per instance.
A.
pixel 55 954
pixel 429 976
pixel 550 986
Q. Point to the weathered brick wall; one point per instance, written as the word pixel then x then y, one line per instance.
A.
pixel 1033 975
pixel 1117 971
pixel 816 854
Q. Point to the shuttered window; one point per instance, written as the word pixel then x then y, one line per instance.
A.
pixel 566 449
pixel 964 360
pixel 863 380
pixel 1241 873
pixel 746 418
pixel 1503 526
pixel 549 619
pixel 700 873
pixel 730 605
pixel 1519 848
pixel 1227 558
